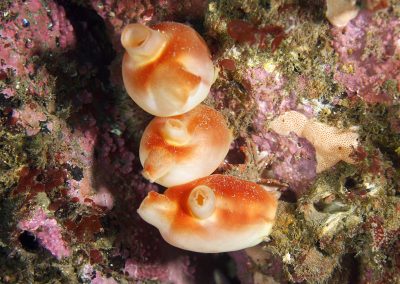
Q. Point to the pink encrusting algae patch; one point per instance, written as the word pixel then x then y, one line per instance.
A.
pixel 369 50
pixel 292 159
pixel 267 89
pixel 32 28
pixel 47 231
pixel 175 271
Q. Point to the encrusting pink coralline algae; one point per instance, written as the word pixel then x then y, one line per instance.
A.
pixel 30 30
pixel 267 89
pixel 291 158
pixel 47 231
pixel 369 50
pixel 174 271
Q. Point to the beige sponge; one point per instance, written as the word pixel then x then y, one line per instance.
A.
pixel 331 144
pixel 290 121
pixel 340 12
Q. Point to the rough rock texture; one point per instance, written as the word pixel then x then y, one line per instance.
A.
pixel 369 50
pixel 70 179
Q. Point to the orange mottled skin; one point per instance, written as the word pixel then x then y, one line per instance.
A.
pixel 240 204
pixel 201 121
pixel 182 40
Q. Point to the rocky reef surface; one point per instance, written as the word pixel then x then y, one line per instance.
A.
pixel 70 180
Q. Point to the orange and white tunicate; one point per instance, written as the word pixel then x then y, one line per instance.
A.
pixel 167 69
pixel 175 150
pixel 213 214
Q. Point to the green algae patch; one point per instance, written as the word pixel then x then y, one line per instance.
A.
pixel 12 158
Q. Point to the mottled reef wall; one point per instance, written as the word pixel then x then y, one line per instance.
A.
pixel 70 179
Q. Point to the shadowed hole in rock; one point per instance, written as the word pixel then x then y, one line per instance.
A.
pixel 28 241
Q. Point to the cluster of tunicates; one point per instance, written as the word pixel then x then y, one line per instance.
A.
pixel 168 71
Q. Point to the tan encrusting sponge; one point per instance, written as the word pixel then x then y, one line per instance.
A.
pixel 331 144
